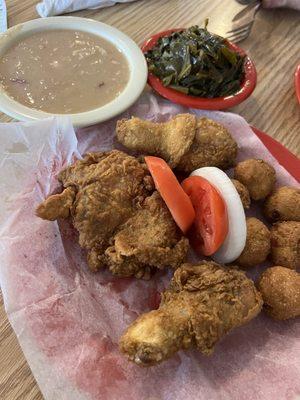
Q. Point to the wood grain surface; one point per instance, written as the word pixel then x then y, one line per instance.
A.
pixel 274 45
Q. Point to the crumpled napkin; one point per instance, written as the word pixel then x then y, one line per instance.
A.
pixel 69 320
pixel 48 8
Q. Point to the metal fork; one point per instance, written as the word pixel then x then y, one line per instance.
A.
pixel 243 21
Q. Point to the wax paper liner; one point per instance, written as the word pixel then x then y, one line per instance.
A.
pixel 68 320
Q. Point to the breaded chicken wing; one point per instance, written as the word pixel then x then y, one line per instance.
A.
pixel 184 142
pixel 202 304
pixel 104 193
pixel 169 140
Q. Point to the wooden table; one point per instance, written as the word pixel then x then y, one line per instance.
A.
pixel 274 46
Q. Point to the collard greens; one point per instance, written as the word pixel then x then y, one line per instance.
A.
pixel 197 62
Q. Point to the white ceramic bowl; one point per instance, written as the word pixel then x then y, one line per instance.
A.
pixel 135 58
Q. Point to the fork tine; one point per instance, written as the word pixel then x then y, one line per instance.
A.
pixel 239 28
pixel 240 33
pixel 238 36
pixel 243 22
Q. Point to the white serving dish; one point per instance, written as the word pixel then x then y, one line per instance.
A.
pixel 135 58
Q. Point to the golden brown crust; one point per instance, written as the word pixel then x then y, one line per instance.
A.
pixel 150 238
pixel 202 304
pixel 105 194
pixel 280 288
pixel 258 244
pixel 213 146
pixel 283 204
pixel 285 244
pixel 258 176
pixel 58 205
pixel 184 142
pixel 109 187
pixel 243 193
pixel 169 140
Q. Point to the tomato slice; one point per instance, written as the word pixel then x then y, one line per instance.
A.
pixel 177 201
pixel 210 227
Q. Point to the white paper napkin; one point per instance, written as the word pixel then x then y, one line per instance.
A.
pixel 48 8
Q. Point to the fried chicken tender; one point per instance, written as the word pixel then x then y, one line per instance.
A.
pixel 202 304
pixel 280 289
pixel 243 193
pixel 283 204
pixel 258 176
pixel 169 140
pixel 213 146
pixel 285 244
pixel 184 142
pixel 104 192
pixel 258 244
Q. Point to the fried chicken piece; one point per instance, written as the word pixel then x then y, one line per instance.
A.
pixel 106 188
pixel 102 192
pixel 280 288
pixel 150 239
pixel 243 193
pixel 213 146
pixel 202 304
pixel 57 205
pixel 258 176
pixel 184 142
pixel 285 244
pixel 283 204
pixel 169 140
pixel 258 244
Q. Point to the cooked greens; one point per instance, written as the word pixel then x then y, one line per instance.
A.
pixel 197 62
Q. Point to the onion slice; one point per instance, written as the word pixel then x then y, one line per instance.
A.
pixel 235 241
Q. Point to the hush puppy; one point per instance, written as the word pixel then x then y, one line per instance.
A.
pixel 285 244
pixel 280 289
pixel 243 192
pixel 258 176
pixel 283 204
pixel 257 246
